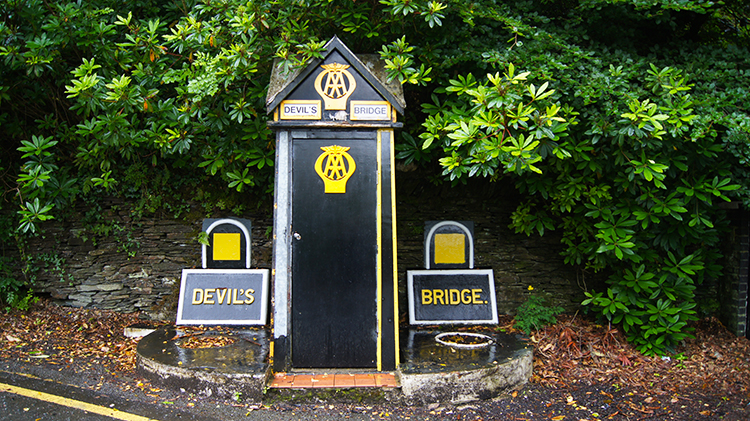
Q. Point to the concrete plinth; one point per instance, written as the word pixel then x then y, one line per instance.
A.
pixel 236 370
pixel 430 372
pixel 433 372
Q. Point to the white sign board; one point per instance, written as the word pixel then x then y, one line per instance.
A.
pixel 300 110
pixel 370 110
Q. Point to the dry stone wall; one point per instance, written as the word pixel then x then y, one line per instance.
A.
pixel 518 261
pixel 137 266
pixel 732 290
pixel 135 263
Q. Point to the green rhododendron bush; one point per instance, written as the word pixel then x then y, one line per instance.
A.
pixel 623 123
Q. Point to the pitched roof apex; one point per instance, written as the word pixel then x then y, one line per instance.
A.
pixel 283 83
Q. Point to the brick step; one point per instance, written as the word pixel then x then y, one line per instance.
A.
pixel 332 381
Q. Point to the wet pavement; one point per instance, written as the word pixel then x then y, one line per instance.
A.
pixel 134 395
pixel 239 367
pixel 430 371
pixel 424 354
pixel 56 397
pixel 247 352
pixel 534 402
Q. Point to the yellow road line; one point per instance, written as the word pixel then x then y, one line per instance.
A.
pixel 72 403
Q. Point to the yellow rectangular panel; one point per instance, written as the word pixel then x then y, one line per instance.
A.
pixel 450 248
pixel 227 246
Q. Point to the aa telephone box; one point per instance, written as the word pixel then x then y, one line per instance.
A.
pixel 334 270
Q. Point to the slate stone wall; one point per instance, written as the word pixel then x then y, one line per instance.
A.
pixel 732 289
pixel 137 266
pixel 79 269
pixel 518 261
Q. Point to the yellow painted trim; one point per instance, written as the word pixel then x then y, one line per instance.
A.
pixel 379 260
pixel 394 239
pixel 72 403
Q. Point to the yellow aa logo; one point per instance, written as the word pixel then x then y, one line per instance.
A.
pixel 334 166
pixel 335 84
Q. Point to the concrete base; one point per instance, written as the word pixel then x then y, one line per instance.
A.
pixel 430 372
pixel 239 370
pixel 433 372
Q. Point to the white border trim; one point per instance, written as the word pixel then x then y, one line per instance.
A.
pixel 234 322
pixel 412 300
pixel 237 224
pixel 431 234
pixel 282 246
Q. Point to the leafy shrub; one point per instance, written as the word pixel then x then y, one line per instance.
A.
pixel 626 138
pixel 14 292
pixel 535 314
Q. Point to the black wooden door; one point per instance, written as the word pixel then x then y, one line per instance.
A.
pixel 334 250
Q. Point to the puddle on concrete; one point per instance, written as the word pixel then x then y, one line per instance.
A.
pixel 423 354
pixel 464 340
pixel 247 354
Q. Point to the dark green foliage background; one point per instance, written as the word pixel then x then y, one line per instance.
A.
pixel 624 122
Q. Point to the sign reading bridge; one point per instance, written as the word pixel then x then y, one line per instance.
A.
pixel 452 296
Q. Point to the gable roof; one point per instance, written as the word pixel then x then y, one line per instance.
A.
pixel 369 66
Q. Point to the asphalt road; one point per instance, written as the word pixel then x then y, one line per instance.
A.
pixel 66 394
pixel 24 397
pixel 49 397
pixel 22 408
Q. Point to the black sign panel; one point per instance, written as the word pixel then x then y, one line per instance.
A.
pixel 229 243
pixel 452 296
pixel 223 297
pixel 437 247
pixel 334 249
